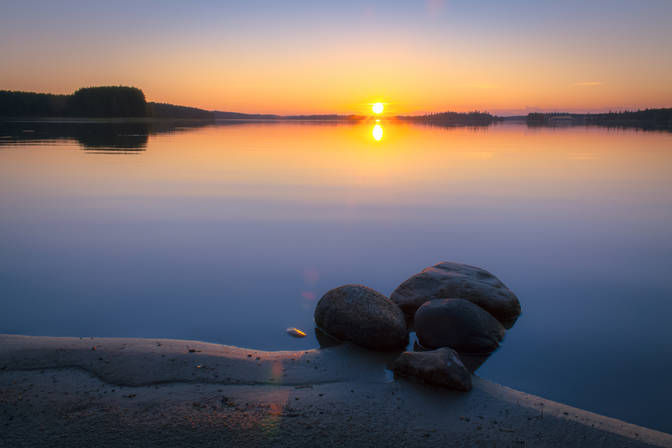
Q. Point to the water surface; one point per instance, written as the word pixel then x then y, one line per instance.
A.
pixel 230 233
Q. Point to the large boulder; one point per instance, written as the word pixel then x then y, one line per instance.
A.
pixel 362 316
pixel 459 324
pixel 447 280
pixel 441 367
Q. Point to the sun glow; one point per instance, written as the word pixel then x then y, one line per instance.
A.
pixel 378 108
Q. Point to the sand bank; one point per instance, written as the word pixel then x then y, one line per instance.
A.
pixel 158 392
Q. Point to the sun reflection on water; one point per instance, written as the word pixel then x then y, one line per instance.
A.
pixel 377 132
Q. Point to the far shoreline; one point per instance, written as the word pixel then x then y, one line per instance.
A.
pixel 127 101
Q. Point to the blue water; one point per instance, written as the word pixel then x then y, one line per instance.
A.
pixel 231 233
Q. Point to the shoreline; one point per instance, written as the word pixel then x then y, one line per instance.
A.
pixel 57 391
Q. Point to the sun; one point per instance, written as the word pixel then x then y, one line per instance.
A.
pixel 378 108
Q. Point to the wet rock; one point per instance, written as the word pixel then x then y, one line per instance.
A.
pixel 362 316
pixel 456 280
pixel 472 361
pixel 441 367
pixel 459 324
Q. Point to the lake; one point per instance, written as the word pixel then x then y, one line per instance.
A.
pixel 231 232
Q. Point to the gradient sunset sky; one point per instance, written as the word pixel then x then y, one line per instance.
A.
pixel 339 57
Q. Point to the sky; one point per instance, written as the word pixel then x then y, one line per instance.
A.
pixel 341 56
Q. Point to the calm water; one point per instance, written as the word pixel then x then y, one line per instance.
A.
pixel 230 234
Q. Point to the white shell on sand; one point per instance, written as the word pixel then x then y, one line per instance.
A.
pixel 296 332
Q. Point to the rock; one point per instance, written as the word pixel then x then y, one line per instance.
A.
pixel 459 324
pixel 456 280
pixel 472 361
pixel 362 316
pixel 441 367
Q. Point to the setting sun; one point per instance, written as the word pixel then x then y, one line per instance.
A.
pixel 378 108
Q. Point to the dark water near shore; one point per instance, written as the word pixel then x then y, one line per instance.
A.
pixel 230 233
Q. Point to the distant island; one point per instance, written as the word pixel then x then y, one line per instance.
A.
pixel 475 118
pixel 649 119
pixel 130 102
pixel 645 119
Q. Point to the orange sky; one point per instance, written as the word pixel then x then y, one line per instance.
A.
pixel 299 57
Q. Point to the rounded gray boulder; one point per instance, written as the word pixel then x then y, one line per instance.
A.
pixel 459 324
pixel 362 316
pixel 449 279
pixel 441 367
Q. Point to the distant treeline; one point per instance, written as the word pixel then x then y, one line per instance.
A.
pixel 130 102
pixel 475 118
pixel 163 110
pixel 86 102
pixel 121 102
pixel 645 119
pixel 93 102
pixel 240 116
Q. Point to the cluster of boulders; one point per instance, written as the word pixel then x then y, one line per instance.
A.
pixel 459 313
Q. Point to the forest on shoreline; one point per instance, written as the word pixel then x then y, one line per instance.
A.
pixel 92 102
pixel 130 102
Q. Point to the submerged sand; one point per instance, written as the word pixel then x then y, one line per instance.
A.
pixel 157 392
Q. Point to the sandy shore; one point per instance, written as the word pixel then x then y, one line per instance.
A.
pixel 155 392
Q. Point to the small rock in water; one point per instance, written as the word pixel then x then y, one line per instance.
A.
pixel 296 332
pixel 441 367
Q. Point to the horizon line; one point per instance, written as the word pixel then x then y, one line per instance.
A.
pixel 498 112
